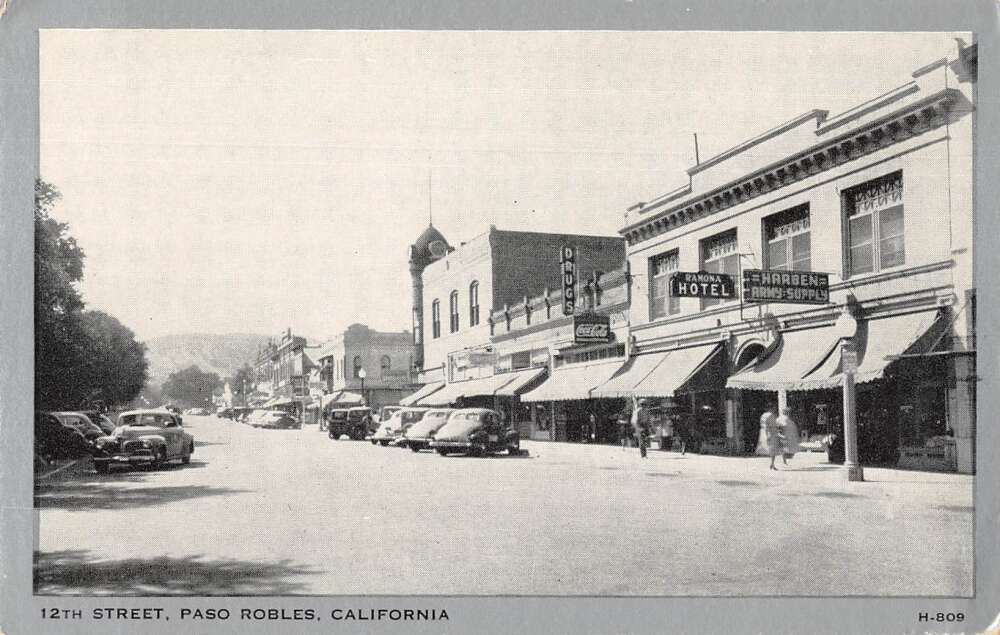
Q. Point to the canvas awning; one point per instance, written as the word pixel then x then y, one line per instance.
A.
pixel 573 382
pixel 348 397
pixel 424 391
pixel 658 374
pixel 810 359
pixel 282 401
pixel 519 381
pixel 483 386
pixel 879 343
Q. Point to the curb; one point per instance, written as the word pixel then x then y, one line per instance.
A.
pixel 58 469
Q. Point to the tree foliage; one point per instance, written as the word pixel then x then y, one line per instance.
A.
pixel 80 357
pixel 243 377
pixel 60 350
pixel 116 361
pixel 190 387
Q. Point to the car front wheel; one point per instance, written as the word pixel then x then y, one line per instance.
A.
pixel 442 451
pixel 102 467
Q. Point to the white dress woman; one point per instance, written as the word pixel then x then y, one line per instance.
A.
pixel 790 432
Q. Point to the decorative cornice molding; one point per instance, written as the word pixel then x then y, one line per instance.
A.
pixel 913 120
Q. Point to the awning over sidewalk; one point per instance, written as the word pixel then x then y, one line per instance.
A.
pixel 796 355
pixel 658 374
pixel 879 343
pixel 283 401
pixel 346 397
pixel 423 391
pixel 573 382
pixel 520 380
pixel 810 359
pixel 483 386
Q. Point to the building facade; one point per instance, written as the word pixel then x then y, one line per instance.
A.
pixel 878 199
pixel 459 289
pixel 386 359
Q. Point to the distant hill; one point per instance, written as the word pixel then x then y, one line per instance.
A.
pixel 220 354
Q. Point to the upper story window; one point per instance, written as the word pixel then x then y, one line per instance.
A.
pixel 788 245
pixel 453 312
pixel 874 213
pixel 474 304
pixel 386 365
pixel 720 254
pixel 417 329
pixel 661 303
pixel 357 366
pixel 436 319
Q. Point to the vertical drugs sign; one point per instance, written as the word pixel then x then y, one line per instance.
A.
pixel 567 261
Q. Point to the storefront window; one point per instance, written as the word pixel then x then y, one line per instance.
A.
pixel 875 227
pixel 720 254
pixel 662 303
pixel 788 240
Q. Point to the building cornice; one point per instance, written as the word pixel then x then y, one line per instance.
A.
pixel 915 119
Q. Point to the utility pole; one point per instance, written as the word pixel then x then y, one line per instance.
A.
pixel 849 363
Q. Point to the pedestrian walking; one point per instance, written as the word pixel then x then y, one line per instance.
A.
pixel 790 432
pixel 681 431
pixel 640 424
pixel 772 435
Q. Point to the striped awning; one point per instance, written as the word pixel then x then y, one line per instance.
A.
pixel 573 382
pixel 424 391
pixel 658 374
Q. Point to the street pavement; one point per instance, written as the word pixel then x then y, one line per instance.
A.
pixel 278 512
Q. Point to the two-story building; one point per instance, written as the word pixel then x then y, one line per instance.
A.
pixel 877 199
pixel 362 365
pixel 458 292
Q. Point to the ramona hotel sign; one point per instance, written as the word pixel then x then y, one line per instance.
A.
pixel 685 284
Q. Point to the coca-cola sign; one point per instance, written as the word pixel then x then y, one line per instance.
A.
pixel 591 328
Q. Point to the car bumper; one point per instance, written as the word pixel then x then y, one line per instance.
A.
pixel 452 445
pixel 126 459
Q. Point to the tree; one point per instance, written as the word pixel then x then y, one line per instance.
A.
pixel 190 387
pixel 116 362
pixel 60 348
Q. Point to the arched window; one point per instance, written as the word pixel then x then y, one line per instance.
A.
pixel 474 303
pixel 357 366
pixel 386 365
pixel 436 319
pixel 453 312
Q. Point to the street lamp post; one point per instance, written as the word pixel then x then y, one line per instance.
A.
pixel 849 364
pixel 361 375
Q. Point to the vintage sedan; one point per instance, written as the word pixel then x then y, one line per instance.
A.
pixel 274 419
pixel 354 422
pixel 421 433
pixel 476 431
pixel 391 431
pixel 149 438
pixel 81 423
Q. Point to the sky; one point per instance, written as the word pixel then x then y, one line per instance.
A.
pixel 251 181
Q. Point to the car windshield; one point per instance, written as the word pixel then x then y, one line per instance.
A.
pixel 338 414
pixel 155 420
pixel 410 416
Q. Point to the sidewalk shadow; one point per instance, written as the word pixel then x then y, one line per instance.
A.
pixel 73 572
pixel 93 496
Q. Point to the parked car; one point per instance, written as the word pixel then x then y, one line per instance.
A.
pixel 476 431
pixel 392 430
pixel 82 423
pixel 57 440
pixel 419 435
pixel 101 420
pixel 144 437
pixel 224 413
pixel 386 412
pixel 276 419
pixel 354 422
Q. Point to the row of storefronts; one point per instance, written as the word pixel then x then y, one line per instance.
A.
pixel 829 248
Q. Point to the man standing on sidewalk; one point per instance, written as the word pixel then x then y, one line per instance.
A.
pixel 640 424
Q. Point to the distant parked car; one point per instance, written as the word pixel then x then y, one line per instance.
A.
pixel 476 431
pixel 144 437
pixel 354 422
pixel 386 412
pixel 392 430
pixel 56 440
pixel 419 435
pixel 276 419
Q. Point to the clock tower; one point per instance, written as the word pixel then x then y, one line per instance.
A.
pixel 431 246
